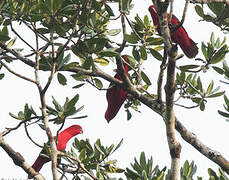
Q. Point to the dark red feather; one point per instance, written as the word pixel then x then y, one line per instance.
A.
pixel 179 36
pixel 116 95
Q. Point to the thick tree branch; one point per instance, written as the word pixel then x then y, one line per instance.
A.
pixel 44 110
pixel 211 154
pixel 209 1
pixel 19 160
pixel 169 116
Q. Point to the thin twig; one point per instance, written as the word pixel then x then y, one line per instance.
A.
pixel 132 27
pixel 187 107
pixel 8 130
pixel 22 39
pixel 17 55
pixel 79 163
pixel 27 133
pixel 210 1
pixel 16 74
pixel 183 17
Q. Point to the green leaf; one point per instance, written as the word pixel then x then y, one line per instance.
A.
pixel 212 39
pixel 154 41
pixel 57 105
pixel 101 61
pixel 226 100
pixel 216 94
pixel 143 52
pixel 78 86
pixel 145 78
pixel 82 155
pixel 1 76
pixel 97 146
pixel 61 79
pixel 143 160
pixel 202 106
pixel 156 54
pixel 182 77
pixel 73 101
pixel 204 50
pixel 210 86
pixel 132 38
pixel 113 32
pixel 15 117
pixel 218 70
pixel 109 10
pixel 199 85
pixel 144 175
pixel 12 41
pixel 87 63
pixel 196 100
pixel 79 76
pixel 199 10
pixel 64 60
pixel 109 53
pixel 219 55
pixel 118 146
pixel 136 53
pixel 98 83
pixel 188 67
pixel 212 173
pixel 129 115
pixel 4 38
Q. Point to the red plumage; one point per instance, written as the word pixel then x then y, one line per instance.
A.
pixel 116 95
pixel 179 36
pixel 63 139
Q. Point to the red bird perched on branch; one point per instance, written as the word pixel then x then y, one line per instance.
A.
pixel 62 141
pixel 116 95
pixel 179 36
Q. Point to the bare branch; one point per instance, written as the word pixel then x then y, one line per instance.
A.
pixel 8 130
pixel 19 160
pixel 211 154
pixel 21 37
pixel 16 74
pixel 183 17
pixel 209 1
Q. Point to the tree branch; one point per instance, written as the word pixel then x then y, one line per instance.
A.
pixel 19 160
pixel 16 74
pixel 211 154
pixel 17 55
pixel 169 116
pixel 209 1
pixel 79 163
pixel 44 111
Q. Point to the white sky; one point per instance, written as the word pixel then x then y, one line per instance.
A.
pixel 144 132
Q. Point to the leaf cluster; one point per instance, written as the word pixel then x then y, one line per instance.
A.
pixel 61 112
pixel 218 16
pixel 191 87
pixel 95 158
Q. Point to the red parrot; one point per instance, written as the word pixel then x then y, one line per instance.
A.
pixel 179 36
pixel 63 139
pixel 116 95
